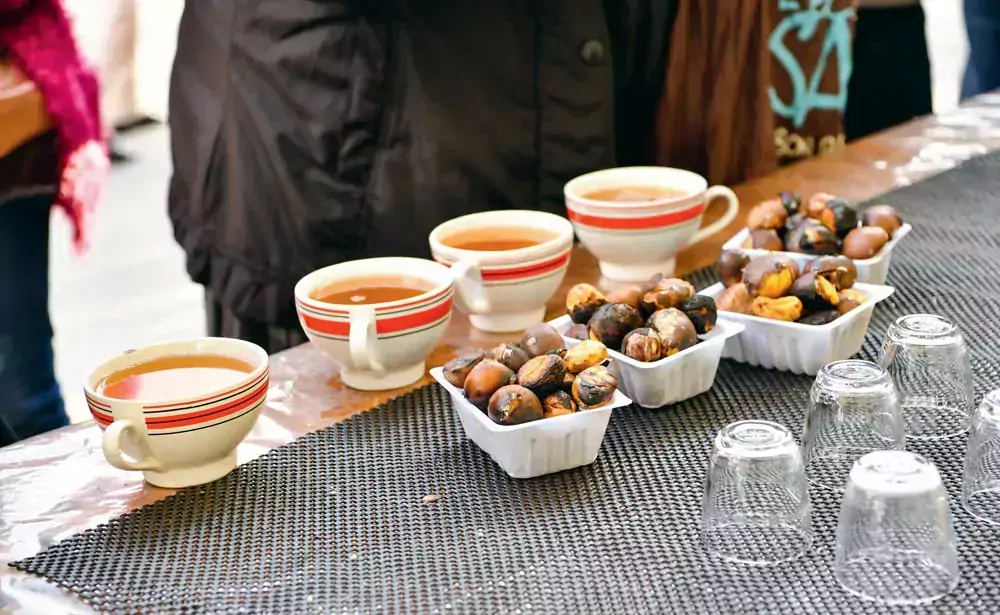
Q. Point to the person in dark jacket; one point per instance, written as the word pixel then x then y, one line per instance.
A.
pixel 982 25
pixel 309 133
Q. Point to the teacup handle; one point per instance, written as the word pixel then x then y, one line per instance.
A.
pixel 469 284
pixel 363 338
pixel 111 443
pixel 732 208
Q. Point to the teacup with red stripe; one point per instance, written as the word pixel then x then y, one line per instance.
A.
pixel 379 346
pixel 505 290
pixel 187 439
pixel 634 240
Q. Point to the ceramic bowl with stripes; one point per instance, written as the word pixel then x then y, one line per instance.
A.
pixel 506 290
pixel 189 439
pixel 635 240
pixel 379 346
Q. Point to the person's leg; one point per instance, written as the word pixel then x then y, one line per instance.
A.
pixel 30 401
pixel 982 25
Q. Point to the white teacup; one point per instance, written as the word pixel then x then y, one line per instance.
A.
pixel 636 240
pixel 189 439
pixel 379 346
pixel 506 290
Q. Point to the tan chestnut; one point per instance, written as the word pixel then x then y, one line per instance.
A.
pixel 864 242
pixel 541 338
pixel 813 208
pixel 513 404
pixel 770 214
pixel 458 369
pixel 828 265
pixel 764 239
pixel 582 301
pixel 484 379
pixel 558 404
pixel 850 299
pixel 771 275
pixel 667 293
pixel 730 266
pixel 629 295
pixel 883 216
pixel 785 308
pixel 736 299
pixel 587 353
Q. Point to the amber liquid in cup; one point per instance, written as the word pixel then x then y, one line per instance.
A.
pixel 170 377
pixel 498 239
pixel 372 290
pixel 634 194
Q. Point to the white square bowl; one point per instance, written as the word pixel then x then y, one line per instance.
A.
pixel 872 270
pixel 796 347
pixel 540 447
pixel 673 379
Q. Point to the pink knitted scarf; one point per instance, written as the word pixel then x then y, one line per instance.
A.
pixel 36 36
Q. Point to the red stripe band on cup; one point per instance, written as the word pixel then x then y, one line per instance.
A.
pixel 319 307
pixel 383 324
pixel 637 224
pixel 526 271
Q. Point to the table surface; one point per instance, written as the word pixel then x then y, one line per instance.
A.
pixel 58 484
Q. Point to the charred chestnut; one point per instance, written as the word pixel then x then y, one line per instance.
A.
pixel 839 217
pixel 820 318
pixel 457 370
pixel 513 404
pixel 578 332
pixel 630 295
pixel 865 242
pixel 790 201
pixel 667 293
pixel 558 404
pixel 736 299
pixel 675 329
pixel 883 216
pixel 484 379
pixel 612 321
pixel 770 275
pixel 567 384
pixel 792 223
pixel 582 301
pixel 541 338
pixel 585 354
pixel 510 355
pixel 702 312
pixel 850 299
pixel 844 267
pixel 730 266
pixel 811 237
pixel 769 214
pixel 764 239
pixel 543 373
pixel 643 344
pixel 785 308
pixel 815 291
pixel 595 386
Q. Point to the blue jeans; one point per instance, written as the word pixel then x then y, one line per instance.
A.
pixel 982 24
pixel 30 401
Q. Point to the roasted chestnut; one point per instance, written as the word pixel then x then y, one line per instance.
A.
pixel 793 222
pixel 630 295
pixel 541 338
pixel 675 329
pixel 582 301
pixel 702 312
pixel 513 404
pixel 484 379
pixel 764 239
pixel 730 266
pixel 790 201
pixel 543 373
pixel 811 237
pixel 769 214
pixel 612 321
pixel 770 275
pixel 850 299
pixel 815 291
pixel 558 404
pixel 884 216
pixel 567 384
pixel 643 344
pixel 864 242
pixel 457 370
pixel 736 299
pixel 667 293
pixel 784 308
pixel 594 386
pixel 510 355
pixel 586 354
pixel 844 266
pixel 839 217
pixel 820 318
pixel 578 332
pixel 813 208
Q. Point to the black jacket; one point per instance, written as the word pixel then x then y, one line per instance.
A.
pixel 310 132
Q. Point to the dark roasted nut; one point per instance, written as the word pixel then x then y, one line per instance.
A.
pixel 736 299
pixel 785 308
pixel 820 318
pixel 510 355
pixel 770 275
pixel 484 379
pixel 850 299
pixel 790 201
pixel 582 301
pixel 457 370
pixel 884 216
pixel 585 354
pixel 643 344
pixel 702 312
pixel 839 217
pixel 578 332
pixel 844 267
pixel 764 239
pixel 811 237
pixel 612 321
pixel 813 208
pixel 559 352
pixel 594 387
pixel 513 404
pixel 792 223
pixel 558 404
pixel 667 293
pixel 675 329
pixel 542 374
pixel 864 242
pixel 769 214
pixel 541 338
pixel 815 291
pixel 567 384
pixel 730 266
pixel 630 295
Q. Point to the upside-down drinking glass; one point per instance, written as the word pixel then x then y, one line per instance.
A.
pixel 981 483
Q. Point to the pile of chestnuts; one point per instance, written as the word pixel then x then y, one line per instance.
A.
pixel 646 323
pixel 822 225
pixel 535 379
pixel 772 286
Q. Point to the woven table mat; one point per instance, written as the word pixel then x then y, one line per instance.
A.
pixel 334 522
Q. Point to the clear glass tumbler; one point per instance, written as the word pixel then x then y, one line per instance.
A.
pixel 895 539
pixel 756 507
pixel 853 410
pixel 981 483
pixel 928 360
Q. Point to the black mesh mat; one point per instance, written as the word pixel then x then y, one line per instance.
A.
pixel 335 523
